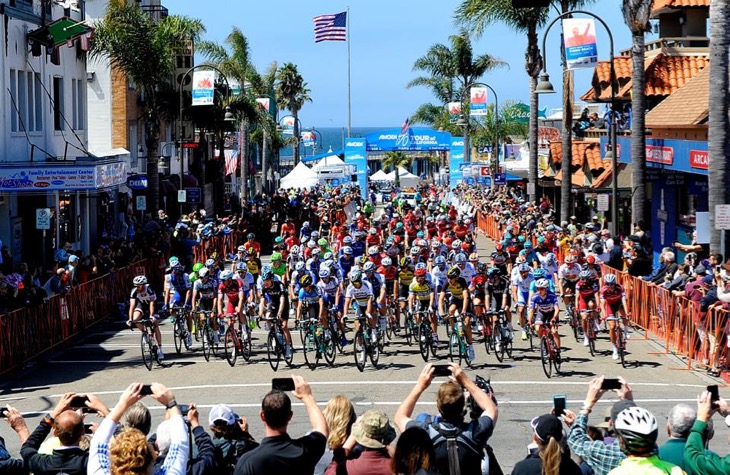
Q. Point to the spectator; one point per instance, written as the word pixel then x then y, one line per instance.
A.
pixel 680 420
pixel 414 454
pixel 450 401
pixel 340 416
pixel 138 417
pixel 54 285
pixel 679 281
pixel 130 452
pixel 278 452
pixel 696 458
pixel 637 430
pixel 231 438
pixel 552 457
pixel 68 426
pixel 601 457
pixel 205 462
pixel 9 465
pixel 373 433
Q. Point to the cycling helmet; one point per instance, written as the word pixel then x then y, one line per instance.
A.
pixel 609 278
pixel 355 275
pixel 528 245
pixel 465 246
pixel 373 250
pixel 460 258
pixel 569 259
pixel 422 243
pixel 250 236
pixel 406 262
pixel 299 266
pixel 481 268
pixel 373 231
pixel 522 239
pixel 440 260
pixel 550 258
pixel 362 260
pixel 174 261
pixel 399 225
pixel 226 274
pixel 637 429
pixel 198 267
pixel 305 280
pixel 204 272
pixel 538 273
pixel 584 274
pixel 294 249
pixel 387 261
pixel 322 242
pixel 454 272
pixel 241 249
pixel 140 280
pixel 591 259
pixel 542 284
pixel 420 272
pixel 420 265
pixel 210 263
pixel 278 240
pixel 311 244
pixel 315 235
pixel 368 267
pixel 415 250
pixel 494 272
pixel 456 244
pixel 241 266
pixel 347 250
pixel 420 235
pixel 316 251
pixel 473 257
pixel 305 224
pixel 540 239
pixel 267 272
pixel 347 240
pixel 524 267
pixel 499 246
pixel 324 272
pixel 276 257
pixel 435 244
pixel 328 256
pixel 251 252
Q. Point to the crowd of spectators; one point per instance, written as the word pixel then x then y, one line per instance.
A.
pixel 341 442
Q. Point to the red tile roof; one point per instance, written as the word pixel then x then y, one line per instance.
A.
pixel 661 4
pixel 586 159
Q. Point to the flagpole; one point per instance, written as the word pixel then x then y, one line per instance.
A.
pixel 349 100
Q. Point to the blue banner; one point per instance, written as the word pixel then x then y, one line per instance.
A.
pixel 415 139
pixel 456 159
pixel 356 155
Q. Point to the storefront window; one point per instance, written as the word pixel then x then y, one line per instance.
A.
pixel 686 206
pixel 67 219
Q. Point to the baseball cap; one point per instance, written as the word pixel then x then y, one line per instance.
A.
pixel 221 412
pixel 619 406
pixel 700 269
pixel 373 430
pixel 606 419
pixel 73 258
pixel 547 426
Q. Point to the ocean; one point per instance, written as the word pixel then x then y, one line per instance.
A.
pixel 332 137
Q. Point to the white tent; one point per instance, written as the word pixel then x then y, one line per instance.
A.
pixel 407 179
pixel 329 161
pixel 380 175
pixel 300 177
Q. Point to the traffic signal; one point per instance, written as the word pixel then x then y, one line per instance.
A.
pixel 530 3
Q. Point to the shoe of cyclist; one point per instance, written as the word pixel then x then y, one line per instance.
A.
pixel 160 354
pixel 585 341
pixel 470 353
pixel 189 340
pixel 524 335
pixel 288 351
pixel 343 341
pixel 615 352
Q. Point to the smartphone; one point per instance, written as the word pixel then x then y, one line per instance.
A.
pixel 146 390
pixel 559 404
pixel 87 429
pixel 78 402
pixel 611 384
pixel 3 413
pixel 184 408
pixel 283 384
pixel 718 269
pixel 441 370
pixel 714 394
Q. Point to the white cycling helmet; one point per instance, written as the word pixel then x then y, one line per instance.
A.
pixel 140 280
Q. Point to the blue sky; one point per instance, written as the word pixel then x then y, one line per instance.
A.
pixel 386 38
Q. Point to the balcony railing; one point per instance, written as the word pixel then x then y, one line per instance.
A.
pixel 687 44
pixel 155 12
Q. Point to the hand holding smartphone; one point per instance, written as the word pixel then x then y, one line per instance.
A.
pixel 559 404
pixel 146 390
pixel 610 384
pixel 283 384
pixel 714 395
pixel 441 370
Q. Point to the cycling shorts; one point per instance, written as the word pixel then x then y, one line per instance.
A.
pixel 329 300
pixel 205 305
pixel 523 297
pixel 455 301
pixel 583 302
pixel 542 317
pixel 611 309
pixel 403 291
pixel 496 302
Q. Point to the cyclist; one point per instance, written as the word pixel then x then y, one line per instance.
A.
pixel 544 309
pixel 497 296
pixel 585 299
pixel 251 243
pixel 500 259
pixel 230 290
pixel 568 275
pixel 613 302
pixel 377 282
pixel 405 277
pixel 313 264
pixel 346 260
pixel 278 266
pixel 374 256
pixel 273 295
pixel 330 288
pixel 177 292
pixel 310 300
pixel 466 269
pixel 361 292
pixel 457 291
pixel 477 288
pixel 421 299
pixel 240 255
pixel 248 283
pixel 521 282
pixel 253 262
pixel 204 299
pixel 142 304
pixel 438 273
pixel 196 272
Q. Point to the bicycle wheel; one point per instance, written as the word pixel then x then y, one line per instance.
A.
pixel 621 345
pixel 246 344
pixel 487 334
pixel 424 340
pixel 178 335
pixel 207 343
pixel 390 326
pixel 408 330
pixel 530 334
pixel 497 339
pixel 281 347
pixel 330 348
pixel 272 350
pixel 358 345
pixel 465 353
pixel 557 358
pixel 231 345
pixel 547 365
pixel 311 349
pixel 147 356
pixel 374 350
pixel 591 338
pixel 455 348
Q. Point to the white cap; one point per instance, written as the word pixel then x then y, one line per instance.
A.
pixel 221 412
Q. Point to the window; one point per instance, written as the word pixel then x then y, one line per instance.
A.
pixel 27 108
pixel 58 108
pixel 77 101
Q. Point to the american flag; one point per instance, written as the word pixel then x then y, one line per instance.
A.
pixel 404 127
pixel 231 161
pixel 330 27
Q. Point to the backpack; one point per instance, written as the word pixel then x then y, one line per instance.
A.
pixel 454 437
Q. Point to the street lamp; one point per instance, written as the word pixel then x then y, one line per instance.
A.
pixel 545 87
pixel 463 122
pixel 227 117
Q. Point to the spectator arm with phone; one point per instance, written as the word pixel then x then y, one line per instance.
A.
pixel 405 410
pixel 696 457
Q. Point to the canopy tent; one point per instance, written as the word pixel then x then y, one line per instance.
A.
pixel 407 179
pixel 380 175
pixel 300 177
pixel 319 156
pixel 330 160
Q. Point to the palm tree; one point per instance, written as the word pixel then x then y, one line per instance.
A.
pixel 233 58
pixel 393 160
pixel 719 133
pixel 636 15
pixel 144 52
pixel 452 69
pixel 495 127
pixel 263 85
pixel 291 94
pixel 479 14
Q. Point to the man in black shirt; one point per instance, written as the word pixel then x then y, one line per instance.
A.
pixel 278 452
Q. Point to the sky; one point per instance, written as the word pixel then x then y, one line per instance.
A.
pixel 386 37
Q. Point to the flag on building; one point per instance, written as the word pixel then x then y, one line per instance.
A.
pixel 404 127
pixel 330 27
pixel 231 161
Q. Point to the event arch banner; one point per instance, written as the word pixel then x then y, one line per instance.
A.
pixel 417 139
pixel 456 160
pixel 356 154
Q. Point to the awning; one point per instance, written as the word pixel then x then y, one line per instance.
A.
pixel 312 158
pixel 59 32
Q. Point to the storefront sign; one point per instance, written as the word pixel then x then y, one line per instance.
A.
pixel 137 182
pixel 661 155
pixel 61 177
pixel 699 159
pixel 602 202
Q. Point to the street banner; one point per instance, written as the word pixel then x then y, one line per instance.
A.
pixel 580 42
pixel 287 125
pixel 456 159
pixel 264 102
pixel 308 138
pixel 454 111
pixel 478 101
pixel 356 155
pixel 203 88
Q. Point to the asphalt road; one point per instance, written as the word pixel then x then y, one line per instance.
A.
pixel 107 360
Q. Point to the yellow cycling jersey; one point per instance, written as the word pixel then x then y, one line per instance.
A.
pixel 406 275
pixel 457 288
pixel 421 291
pixel 253 266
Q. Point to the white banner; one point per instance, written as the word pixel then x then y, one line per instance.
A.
pixel 478 101
pixel 203 88
pixel 580 42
